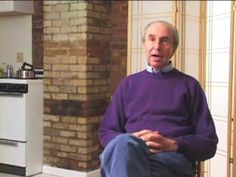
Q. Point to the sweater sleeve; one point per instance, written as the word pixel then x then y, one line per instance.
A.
pixel 114 119
pixel 202 144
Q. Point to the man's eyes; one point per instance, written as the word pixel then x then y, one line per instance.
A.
pixel 152 39
pixel 164 41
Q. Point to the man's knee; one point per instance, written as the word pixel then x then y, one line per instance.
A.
pixel 126 140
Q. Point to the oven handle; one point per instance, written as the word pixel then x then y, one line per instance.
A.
pixel 8 143
pixel 11 94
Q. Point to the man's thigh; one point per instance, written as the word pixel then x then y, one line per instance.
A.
pixel 171 164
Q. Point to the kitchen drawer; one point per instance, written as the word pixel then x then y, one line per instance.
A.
pixel 12 153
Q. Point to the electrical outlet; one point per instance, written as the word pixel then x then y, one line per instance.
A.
pixel 20 57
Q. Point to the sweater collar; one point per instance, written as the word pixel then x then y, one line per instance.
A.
pixel 165 69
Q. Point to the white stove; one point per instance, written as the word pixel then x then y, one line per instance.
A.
pixel 21 126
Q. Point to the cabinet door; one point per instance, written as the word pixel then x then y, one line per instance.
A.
pixel 12 116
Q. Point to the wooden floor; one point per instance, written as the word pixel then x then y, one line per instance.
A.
pixel 39 175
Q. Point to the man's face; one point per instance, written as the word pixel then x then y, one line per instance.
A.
pixel 158 45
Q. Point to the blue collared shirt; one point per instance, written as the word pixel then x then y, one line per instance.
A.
pixel 165 69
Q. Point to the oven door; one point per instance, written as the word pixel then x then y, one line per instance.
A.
pixel 12 116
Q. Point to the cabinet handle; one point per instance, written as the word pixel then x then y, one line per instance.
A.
pixel 11 94
pixel 8 143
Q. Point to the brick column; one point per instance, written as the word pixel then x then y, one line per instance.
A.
pixel 76 86
pixel 119 42
pixel 37 35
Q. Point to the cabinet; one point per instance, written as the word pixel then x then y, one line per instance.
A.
pixel 16 7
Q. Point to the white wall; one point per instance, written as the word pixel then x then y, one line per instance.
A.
pixel 218 83
pixel 143 12
pixel 15 36
pixel 191 38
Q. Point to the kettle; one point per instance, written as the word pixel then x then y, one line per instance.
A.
pixel 26 73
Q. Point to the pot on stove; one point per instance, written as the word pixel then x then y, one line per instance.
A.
pixel 26 73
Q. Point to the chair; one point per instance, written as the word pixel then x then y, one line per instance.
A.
pixel 198 169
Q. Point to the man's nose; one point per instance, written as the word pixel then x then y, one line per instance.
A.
pixel 156 45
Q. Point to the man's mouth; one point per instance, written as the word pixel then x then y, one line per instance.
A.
pixel 156 56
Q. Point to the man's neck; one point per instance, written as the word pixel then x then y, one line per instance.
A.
pixel 164 69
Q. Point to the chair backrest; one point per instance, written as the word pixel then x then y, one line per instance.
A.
pixel 198 169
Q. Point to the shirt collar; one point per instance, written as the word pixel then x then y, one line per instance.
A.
pixel 165 69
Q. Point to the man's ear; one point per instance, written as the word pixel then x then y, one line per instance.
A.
pixel 171 53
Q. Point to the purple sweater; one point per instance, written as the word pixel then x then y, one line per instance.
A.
pixel 172 103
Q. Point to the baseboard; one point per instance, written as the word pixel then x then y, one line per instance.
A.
pixel 69 173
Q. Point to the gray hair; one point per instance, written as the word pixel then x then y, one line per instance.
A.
pixel 172 28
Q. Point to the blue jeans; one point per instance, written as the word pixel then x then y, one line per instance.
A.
pixel 128 156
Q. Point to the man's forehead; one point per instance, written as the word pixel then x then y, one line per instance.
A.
pixel 159 27
pixel 154 35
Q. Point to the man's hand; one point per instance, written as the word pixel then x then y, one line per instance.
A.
pixel 156 142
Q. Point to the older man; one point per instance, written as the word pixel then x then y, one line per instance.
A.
pixel 158 123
